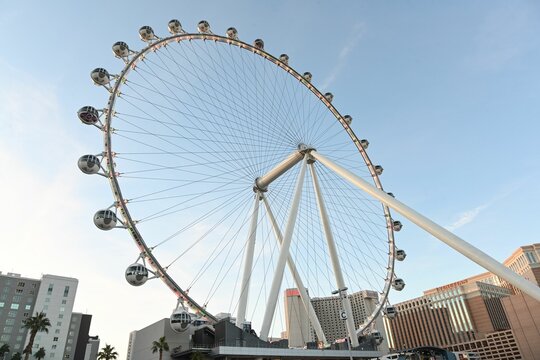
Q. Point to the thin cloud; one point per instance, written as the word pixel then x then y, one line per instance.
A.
pixel 467 217
pixel 355 35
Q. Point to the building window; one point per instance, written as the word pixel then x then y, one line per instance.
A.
pixel 67 356
pixel 50 289
pixel 29 300
pixel 14 306
pixel 45 307
pixel 68 348
pixel 66 291
pixel 57 331
pixel 60 316
pixel 5 337
pixel 27 307
pixel 10 321
pixel 26 314
pixel 19 291
pixel 53 347
pixel 47 300
pixel 55 338
pixel 8 329
pixel 51 355
pixel 59 323
pixel 17 298
pixel 64 302
pixel 62 309
pixel 2 304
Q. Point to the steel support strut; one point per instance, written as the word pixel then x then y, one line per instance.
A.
pixel 261 183
pixel 436 230
pixel 296 276
pixel 283 254
pixel 248 264
pixel 332 250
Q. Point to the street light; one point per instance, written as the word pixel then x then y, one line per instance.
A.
pixel 343 314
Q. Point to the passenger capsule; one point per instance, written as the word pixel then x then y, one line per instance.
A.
pixel 401 254
pixel 391 194
pixel 105 219
pixel 378 170
pixel 232 33
pixel 146 33
pixel 348 119
pixel 136 274
pixel 398 284
pixel 376 335
pixel 364 143
pixel 397 225
pixel 329 96
pixel 308 76
pixel 100 76
pixel 180 320
pixel 203 26
pixel 88 115
pixel 390 312
pixel 259 44
pixel 175 27
pixel 89 164
pixel 284 58
pixel 120 49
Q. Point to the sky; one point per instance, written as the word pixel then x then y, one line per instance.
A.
pixel 448 95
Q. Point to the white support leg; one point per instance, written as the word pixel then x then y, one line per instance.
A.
pixel 296 276
pixel 248 264
pixel 436 230
pixel 332 250
pixel 283 255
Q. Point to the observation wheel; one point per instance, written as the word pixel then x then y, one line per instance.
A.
pixel 222 162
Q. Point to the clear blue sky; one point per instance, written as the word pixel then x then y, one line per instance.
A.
pixel 447 93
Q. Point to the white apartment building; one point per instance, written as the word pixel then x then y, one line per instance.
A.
pixel 55 298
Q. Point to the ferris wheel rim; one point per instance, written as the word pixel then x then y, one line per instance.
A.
pixel 121 203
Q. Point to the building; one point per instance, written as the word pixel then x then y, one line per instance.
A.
pixel 483 314
pixel 92 348
pixel 140 341
pixel 22 297
pixel 17 301
pixel 299 330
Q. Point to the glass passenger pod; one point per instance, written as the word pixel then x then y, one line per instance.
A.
pixel 397 225
pixel 89 164
pixel 203 27
pixel 329 96
pixel 376 335
pixel 398 284
pixel 390 312
pixel 120 49
pixel 100 76
pixel 284 58
pixel 180 320
pixel 174 26
pixel 105 219
pixel 259 44
pixel 401 254
pixel 232 33
pixel 378 169
pixel 146 33
pixel 308 76
pixel 136 274
pixel 348 119
pixel 364 143
pixel 88 115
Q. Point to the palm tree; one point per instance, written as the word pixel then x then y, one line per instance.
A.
pixel 16 356
pixel 35 324
pixel 160 345
pixel 107 353
pixel 40 354
pixel 3 350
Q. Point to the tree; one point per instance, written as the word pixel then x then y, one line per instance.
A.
pixel 16 356
pixel 161 346
pixel 40 354
pixel 197 356
pixel 35 324
pixel 3 350
pixel 107 353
